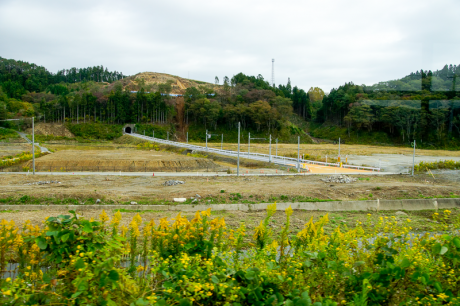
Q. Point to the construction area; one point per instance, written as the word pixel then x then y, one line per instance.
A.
pixel 126 171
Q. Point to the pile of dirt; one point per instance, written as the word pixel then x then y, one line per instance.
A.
pixel 54 129
pixel 342 179
pixel 178 84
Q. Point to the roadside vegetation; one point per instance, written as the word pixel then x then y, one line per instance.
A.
pixel 200 261
pixel 442 164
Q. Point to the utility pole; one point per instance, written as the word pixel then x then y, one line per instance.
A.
pixel 339 149
pixel 270 150
pixel 298 153
pixel 413 158
pixel 273 72
pixel 238 159
pixel 276 147
pixel 33 144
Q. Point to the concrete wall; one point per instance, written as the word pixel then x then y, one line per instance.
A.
pixel 374 205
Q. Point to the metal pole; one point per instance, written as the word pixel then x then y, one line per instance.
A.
pixel 222 142
pixel 270 150
pixel 33 144
pixel 206 140
pixel 249 142
pixel 276 147
pixel 144 132
pixel 167 133
pixel 339 149
pixel 413 160
pixel 187 137
pixel 238 159
pixel 298 153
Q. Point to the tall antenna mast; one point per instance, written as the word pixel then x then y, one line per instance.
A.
pixel 273 72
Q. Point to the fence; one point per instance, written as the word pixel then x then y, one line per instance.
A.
pixel 279 160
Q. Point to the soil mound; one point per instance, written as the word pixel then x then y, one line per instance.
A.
pixel 178 84
pixel 54 129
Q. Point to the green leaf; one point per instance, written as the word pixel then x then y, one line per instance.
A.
pixel 214 279
pixel 185 302
pixel 113 275
pixel 41 242
pixel 359 263
pixel 456 242
pixel 289 303
pixel 80 264
pixel 76 294
pixel 87 227
pixel 250 275
pixel 65 237
pixel 443 251
pixel 405 263
pixel 438 287
pixel 46 278
pixel 437 248
pixel 306 296
pixel 308 263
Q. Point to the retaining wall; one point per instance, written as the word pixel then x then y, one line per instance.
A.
pixel 373 205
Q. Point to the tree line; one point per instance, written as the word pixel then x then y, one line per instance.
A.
pixel 430 116
pixel 19 77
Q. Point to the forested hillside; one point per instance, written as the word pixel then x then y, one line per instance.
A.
pixel 424 105
pixel 30 90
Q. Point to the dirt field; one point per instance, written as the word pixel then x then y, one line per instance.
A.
pixel 50 129
pixel 150 190
pixel 121 160
pixel 331 150
pixel 11 149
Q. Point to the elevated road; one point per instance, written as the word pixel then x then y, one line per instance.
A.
pixel 317 167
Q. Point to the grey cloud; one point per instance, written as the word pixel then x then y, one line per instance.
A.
pixel 315 43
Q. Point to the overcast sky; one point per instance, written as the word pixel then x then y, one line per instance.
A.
pixel 315 43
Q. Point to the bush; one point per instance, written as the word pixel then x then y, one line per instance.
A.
pixel 442 164
pixel 75 261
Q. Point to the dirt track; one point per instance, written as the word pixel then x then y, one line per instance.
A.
pixel 222 189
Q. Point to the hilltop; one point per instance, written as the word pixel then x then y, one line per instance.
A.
pixel 178 84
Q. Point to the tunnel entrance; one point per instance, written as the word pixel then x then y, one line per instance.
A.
pixel 128 130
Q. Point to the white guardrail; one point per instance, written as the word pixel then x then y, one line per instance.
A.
pixel 279 160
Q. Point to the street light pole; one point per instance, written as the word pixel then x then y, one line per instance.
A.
pixel 270 150
pixel 33 145
pixel 249 142
pixel 339 149
pixel 238 159
pixel 413 158
pixel 276 147
pixel 298 153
